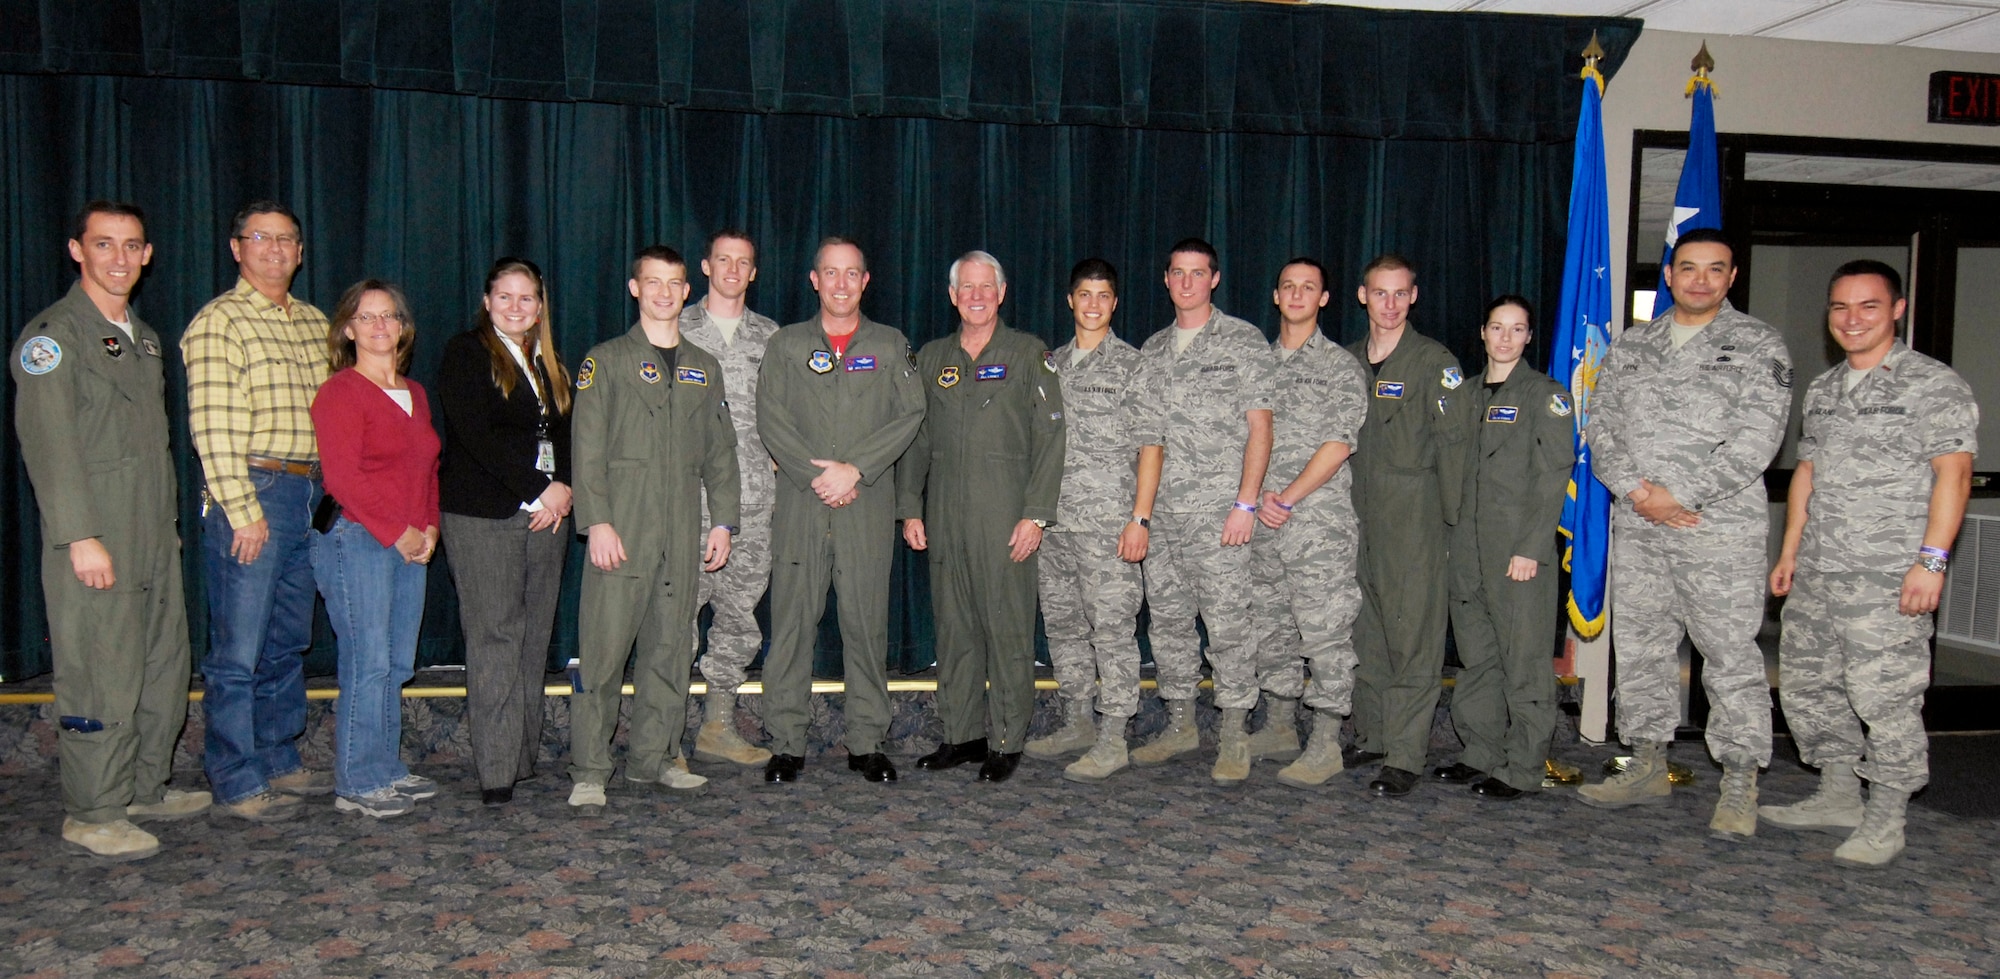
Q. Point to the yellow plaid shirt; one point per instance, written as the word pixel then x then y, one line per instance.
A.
pixel 252 370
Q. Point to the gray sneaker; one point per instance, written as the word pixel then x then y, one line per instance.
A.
pixel 415 786
pixel 381 803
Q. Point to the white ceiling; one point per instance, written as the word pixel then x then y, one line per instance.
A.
pixel 1953 25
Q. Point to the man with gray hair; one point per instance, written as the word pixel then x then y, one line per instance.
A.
pixel 990 453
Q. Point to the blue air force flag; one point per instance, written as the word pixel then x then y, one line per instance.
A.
pixel 1583 334
pixel 1698 199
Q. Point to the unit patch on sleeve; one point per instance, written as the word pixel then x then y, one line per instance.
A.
pixel 586 373
pixel 1451 379
pixel 1559 405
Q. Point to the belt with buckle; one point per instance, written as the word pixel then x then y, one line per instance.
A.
pixel 309 470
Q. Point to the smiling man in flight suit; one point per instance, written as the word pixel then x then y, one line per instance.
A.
pixel 90 409
pixel 650 433
pixel 991 452
pixel 838 403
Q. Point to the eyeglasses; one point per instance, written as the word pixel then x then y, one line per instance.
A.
pixel 370 319
pixel 260 238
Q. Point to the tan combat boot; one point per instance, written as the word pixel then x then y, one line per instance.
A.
pixel 1078 732
pixel 1321 760
pixel 1834 808
pixel 1180 737
pixel 1232 756
pixel 174 804
pixel 1642 783
pixel 1878 841
pixel 1105 758
pixel 1736 811
pixel 1278 739
pixel 717 740
pixel 115 840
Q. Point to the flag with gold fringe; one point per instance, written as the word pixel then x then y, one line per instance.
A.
pixel 1583 334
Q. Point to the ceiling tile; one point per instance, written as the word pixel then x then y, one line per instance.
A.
pixel 1573 8
pixel 1873 21
pixel 1979 35
pixel 1722 16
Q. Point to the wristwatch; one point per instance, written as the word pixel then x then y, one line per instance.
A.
pixel 1142 521
pixel 1041 525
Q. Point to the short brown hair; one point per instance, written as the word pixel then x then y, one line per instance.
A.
pixel 340 350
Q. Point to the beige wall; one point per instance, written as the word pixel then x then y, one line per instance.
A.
pixel 1774 87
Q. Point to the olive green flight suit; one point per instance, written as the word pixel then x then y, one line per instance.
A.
pixel 991 451
pixel 90 410
pixel 645 442
pixel 1406 490
pixel 862 409
pixel 1519 444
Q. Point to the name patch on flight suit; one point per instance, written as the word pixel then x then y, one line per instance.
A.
pixel 113 347
pixel 990 372
pixel 40 355
pixel 691 375
pixel 1389 389
pixel 649 371
pixel 1503 414
pixel 152 349
pixel 948 376
pixel 586 373
pixel 862 363
pixel 821 361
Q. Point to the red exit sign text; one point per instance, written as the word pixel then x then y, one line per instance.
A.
pixel 1965 98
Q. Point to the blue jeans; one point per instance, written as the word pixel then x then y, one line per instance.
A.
pixel 376 602
pixel 260 618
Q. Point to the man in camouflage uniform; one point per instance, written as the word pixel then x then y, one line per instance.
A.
pixel 1406 487
pixel 1206 406
pixel 975 490
pixel 1090 581
pixel 724 326
pixel 1688 411
pixel 1863 562
pixel 1306 592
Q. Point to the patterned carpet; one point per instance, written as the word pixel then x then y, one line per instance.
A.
pixel 1154 873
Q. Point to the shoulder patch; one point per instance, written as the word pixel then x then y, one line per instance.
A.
pixel 1451 379
pixel 586 374
pixel 1559 405
pixel 1049 360
pixel 820 362
pixel 40 355
pixel 1781 373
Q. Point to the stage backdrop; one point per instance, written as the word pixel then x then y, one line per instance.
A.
pixel 419 140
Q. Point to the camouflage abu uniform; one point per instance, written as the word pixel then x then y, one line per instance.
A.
pixel 1306 592
pixel 1702 422
pixel 1090 597
pixel 1847 657
pixel 1194 403
pixel 733 591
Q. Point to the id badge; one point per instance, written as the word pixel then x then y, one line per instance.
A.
pixel 545 456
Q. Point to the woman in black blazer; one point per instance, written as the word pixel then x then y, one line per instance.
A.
pixel 503 485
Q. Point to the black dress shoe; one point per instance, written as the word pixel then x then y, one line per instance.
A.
pixel 1496 790
pixel 1457 773
pixel 999 767
pixel 496 797
pixel 873 766
pixel 784 768
pixel 1393 782
pixel 1353 757
pixel 953 755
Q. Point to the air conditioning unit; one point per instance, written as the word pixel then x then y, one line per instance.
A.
pixel 1970 612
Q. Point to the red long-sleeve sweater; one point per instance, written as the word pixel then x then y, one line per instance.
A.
pixel 380 463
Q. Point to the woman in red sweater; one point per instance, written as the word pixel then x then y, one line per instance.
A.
pixel 379 456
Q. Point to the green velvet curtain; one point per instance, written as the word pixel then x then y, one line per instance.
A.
pixel 398 172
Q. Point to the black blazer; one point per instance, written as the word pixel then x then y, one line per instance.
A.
pixel 488 465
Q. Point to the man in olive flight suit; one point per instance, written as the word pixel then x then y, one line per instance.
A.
pixel 650 434
pixel 1406 489
pixel 838 403
pixel 90 410
pixel 991 453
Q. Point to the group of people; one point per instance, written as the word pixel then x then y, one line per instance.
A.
pixel 1323 510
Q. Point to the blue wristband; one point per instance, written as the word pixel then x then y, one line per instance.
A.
pixel 1282 505
pixel 1245 507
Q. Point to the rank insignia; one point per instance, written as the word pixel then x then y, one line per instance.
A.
pixel 40 355
pixel 990 372
pixel 1781 372
pixel 1049 360
pixel 1559 405
pixel 586 373
pixel 1389 389
pixel 948 377
pixel 649 372
pixel 1503 414
pixel 113 347
pixel 152 349
pixel 691 375
pixel 862 363
pixel 1452 379
pixel 821 361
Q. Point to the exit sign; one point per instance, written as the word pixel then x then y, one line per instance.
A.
pixel 1965 98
